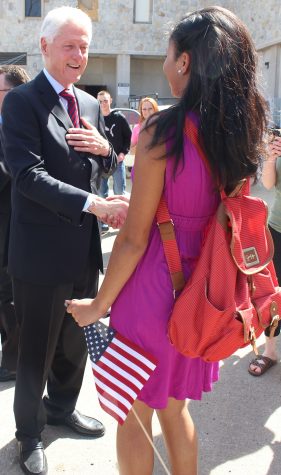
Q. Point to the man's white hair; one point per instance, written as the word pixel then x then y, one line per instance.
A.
pixel 58 17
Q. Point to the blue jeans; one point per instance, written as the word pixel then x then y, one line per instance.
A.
pixel 119 182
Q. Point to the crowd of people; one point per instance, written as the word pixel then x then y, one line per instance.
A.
pixel 59 146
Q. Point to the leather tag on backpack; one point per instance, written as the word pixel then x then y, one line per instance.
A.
pixel 251 257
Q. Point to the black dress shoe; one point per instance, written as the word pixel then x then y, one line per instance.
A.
pixel 32 457
pixel 79 423
pixel 6 375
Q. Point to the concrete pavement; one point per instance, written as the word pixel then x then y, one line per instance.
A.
pixel 239 423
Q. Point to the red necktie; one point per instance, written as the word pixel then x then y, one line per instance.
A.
pixel 72 107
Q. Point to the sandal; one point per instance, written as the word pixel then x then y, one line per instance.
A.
pixel 262 362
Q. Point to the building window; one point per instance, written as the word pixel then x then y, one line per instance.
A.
pixel 91 7
pixel 143 11
pixel 32 8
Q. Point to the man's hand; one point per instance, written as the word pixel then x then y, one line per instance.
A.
pixel 112 212
pixel 120 157
pixel 88 140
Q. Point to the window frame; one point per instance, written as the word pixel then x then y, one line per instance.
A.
pixel 150 14
pixel 33 16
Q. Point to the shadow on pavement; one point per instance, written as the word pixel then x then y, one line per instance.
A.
pixel 9 452
pixel 7 385
pixel 231 421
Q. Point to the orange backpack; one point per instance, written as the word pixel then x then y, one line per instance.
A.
pixel 233 293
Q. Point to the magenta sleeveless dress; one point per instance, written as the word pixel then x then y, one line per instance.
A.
pixel 142 309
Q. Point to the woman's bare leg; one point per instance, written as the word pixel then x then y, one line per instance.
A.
pixel 180 437
pixel 134 452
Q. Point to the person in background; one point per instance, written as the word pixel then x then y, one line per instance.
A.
pixel 147 107
pixel 56 150
pixel 211 67
pixel 10 77
pixel 118 133
pixel 271 177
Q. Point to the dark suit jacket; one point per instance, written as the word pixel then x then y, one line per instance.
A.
pixel 5 184
pixel 5 213
pixel 51 239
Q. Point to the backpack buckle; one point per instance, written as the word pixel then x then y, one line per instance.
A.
pixel 251 284
pixel 253 340
pixel 275 319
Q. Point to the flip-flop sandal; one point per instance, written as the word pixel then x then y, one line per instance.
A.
pixel 267 363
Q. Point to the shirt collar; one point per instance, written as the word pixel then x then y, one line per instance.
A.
pixel 55 84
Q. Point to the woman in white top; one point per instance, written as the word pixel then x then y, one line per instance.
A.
pixel 271 177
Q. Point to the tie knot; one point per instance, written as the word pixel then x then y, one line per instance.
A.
pixel 67 95
pixel 72 107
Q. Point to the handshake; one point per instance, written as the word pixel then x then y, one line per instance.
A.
pixel 112 210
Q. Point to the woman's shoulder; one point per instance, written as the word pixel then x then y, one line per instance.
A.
pixel 136 127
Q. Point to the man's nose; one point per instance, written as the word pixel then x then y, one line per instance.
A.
pixel 77 53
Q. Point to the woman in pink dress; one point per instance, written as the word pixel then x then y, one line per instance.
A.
pixel 211 68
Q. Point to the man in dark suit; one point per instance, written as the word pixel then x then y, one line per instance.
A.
pixel 54 247
pixel 10 76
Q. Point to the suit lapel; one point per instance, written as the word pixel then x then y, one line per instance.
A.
pixel 79 100
pixel 51 100
pixel 83 106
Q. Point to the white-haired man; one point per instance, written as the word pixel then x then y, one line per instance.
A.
pixel 54 248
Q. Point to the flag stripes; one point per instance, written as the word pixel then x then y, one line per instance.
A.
pixel 134 350
pixel 112 410
pixel 117 378
pixel 116 385
pixel 120 369
pixel 140 362
pixel 123 369
pixel 114 397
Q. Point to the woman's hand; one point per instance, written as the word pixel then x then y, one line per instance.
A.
pixel 274 150
pixel 83 311
pixel 269 174
pixel 125 198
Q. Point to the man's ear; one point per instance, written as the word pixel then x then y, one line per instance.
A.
pixel 43 44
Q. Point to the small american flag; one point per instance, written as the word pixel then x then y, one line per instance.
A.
pixel 120 367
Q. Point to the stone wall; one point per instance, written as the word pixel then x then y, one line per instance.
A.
pixel 115 32
pixel 116 36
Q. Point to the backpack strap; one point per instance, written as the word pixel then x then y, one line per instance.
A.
pixel 165 222
pixel 171 251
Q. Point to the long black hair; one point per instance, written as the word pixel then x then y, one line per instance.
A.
pixel 222 89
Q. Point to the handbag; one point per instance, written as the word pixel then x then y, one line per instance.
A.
pixel 233 293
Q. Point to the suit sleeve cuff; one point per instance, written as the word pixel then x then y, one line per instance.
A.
pixel 91 199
